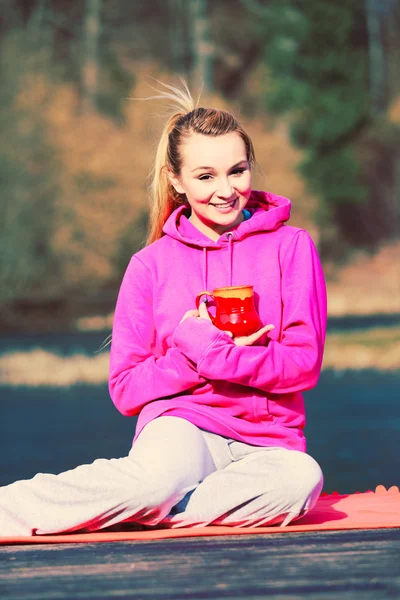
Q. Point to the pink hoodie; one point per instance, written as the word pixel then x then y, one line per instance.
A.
pixel 159 366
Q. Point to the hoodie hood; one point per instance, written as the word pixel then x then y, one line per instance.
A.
pixel 268 213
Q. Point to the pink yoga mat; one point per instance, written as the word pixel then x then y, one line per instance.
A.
pixel 368 510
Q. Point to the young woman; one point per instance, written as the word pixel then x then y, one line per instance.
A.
pixel 219 438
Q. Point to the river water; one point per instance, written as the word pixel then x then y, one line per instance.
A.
pixel 353 422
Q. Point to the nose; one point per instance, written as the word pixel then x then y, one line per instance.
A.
pixel 225 189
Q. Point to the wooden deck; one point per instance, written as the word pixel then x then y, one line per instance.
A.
pixel 330 565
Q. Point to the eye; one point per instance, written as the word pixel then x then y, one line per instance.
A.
pixel 238 171
pixel 205 177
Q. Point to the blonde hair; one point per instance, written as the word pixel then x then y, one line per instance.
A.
pixel 186 119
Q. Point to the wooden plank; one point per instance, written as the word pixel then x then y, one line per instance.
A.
pixel 291 566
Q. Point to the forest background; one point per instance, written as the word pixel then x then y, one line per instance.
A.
pixel 315 83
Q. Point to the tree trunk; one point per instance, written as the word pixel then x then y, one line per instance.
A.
pixel 89 72
pixel 176 34
pixel 202 48
pixel 377 58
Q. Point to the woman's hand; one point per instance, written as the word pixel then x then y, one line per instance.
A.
pixel 190 313
pixel 249 340
pixel 245 340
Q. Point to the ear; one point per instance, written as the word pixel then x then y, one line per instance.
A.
pixel 174 180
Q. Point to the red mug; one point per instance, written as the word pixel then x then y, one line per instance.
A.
pixel 235 310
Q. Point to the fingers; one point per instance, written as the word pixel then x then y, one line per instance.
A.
pixel 248 340
pixel 190 313
pixel 265 329
pixel 204 314
pixel 201 313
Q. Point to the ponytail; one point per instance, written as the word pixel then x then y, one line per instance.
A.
pixel 164 198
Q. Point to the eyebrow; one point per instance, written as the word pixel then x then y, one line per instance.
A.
pixel 212 168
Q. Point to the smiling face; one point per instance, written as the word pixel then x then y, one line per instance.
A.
pixel 216 179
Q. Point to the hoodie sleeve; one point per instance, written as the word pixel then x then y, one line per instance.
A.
pixel 289 365
pixel 136 375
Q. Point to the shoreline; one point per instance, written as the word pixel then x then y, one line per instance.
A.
pixel 376 348
pixel 64 318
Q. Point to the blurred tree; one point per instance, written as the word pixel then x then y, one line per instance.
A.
pixel 28 173
pixel 377 63
pixel 90 66
pixel 132 240
pixel 380 15
pixel 239 38
pixel 84 53
pixel 317 54
pixel 202 49
pixel 178 38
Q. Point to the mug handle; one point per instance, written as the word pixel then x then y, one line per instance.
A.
pixel 198 298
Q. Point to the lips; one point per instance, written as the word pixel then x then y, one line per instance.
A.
pixel 224 204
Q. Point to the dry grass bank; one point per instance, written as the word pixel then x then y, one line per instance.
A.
pixel 376 348
pixel 369 284
pixel 373 349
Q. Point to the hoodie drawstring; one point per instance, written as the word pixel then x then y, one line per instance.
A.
pixel 230 238
pixel 205 268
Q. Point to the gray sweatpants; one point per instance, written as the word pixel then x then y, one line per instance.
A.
pixel 176 475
